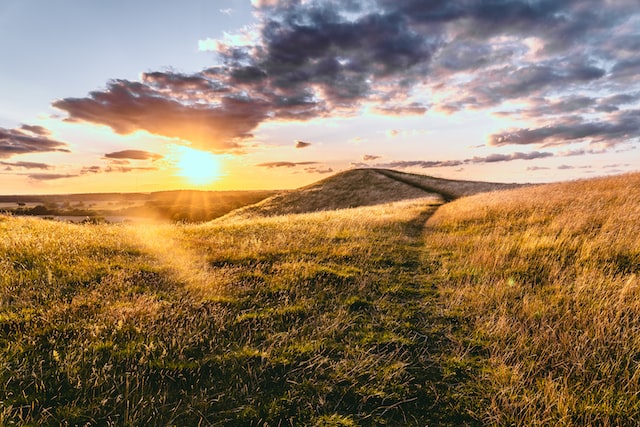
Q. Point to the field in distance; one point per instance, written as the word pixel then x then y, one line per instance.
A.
pixel 181 205
pixel 369 298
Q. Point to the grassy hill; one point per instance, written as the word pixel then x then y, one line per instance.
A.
pixel 365 187
pixel 350 189
pixel 517 307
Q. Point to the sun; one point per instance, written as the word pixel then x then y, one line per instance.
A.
pixel 199 167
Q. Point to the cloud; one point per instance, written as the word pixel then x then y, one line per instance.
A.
pixel 302 144
pixel 119 169
pixel 49 176
pixel 271 165
pixel 316 58
pixel 168 106
pixel 36 130
pixel 90 170
pixel 126 169
pixel 413 109
pixel 493 158
pixel 319 170
pixel 572 104
pixel 496 86
pixel 26 140
pixel 621 127
pixel 133 155
pixel 27 165
pixel 370 157
pixel 425 164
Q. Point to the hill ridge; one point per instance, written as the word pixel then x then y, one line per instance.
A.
pixel 364 187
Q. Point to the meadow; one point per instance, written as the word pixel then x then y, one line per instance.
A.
pixel 514 307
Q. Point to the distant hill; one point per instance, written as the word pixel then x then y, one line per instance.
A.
pixel 364 187
pixel 178 205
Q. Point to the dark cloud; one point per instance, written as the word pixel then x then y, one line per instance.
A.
pixel 129 106
pixel 111 169
pixel 493 158
pixel 27 165
pixel 572 104
pixel 629 67
pixel 622 126
pixel 285 164
pixel 302 144
pixel 327 57
pixel 26 140
pixel 133 155
pixel 36 130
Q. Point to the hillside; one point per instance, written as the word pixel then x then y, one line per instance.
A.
pixel 449 189
pixel 513 307
pixel 545 281
pixel 364 187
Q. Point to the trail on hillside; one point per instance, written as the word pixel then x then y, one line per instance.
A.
pixel 447 196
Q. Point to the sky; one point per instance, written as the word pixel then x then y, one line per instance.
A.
pixel 138 96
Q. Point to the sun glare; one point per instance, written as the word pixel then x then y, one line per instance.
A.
pixel 199 167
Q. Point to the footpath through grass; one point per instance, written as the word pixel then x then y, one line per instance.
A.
pixel 322 319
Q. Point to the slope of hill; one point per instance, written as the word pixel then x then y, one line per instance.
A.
pixel 449 189
pixel 546 281
pixel 364 187
pixel 515 307
pixel 354 188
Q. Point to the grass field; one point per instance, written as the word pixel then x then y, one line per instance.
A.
pixel 517 307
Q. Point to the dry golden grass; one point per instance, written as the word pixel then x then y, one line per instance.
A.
pixel 310 319
pixel 448 188
pixel 517 307
pixel 547 279
pixel 361 187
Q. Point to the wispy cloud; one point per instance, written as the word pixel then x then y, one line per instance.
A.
pixel 133 155
pixel 621 126
pixel 370 157
pixel 28 139
pixel 493 158
pixel 27 165
pixel 285 164
pixel 50 176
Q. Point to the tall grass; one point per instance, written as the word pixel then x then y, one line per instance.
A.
pixel 547 280
pixel 519 307
pixel 321 319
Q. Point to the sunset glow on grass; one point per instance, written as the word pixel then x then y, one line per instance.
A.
pixel 198 167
